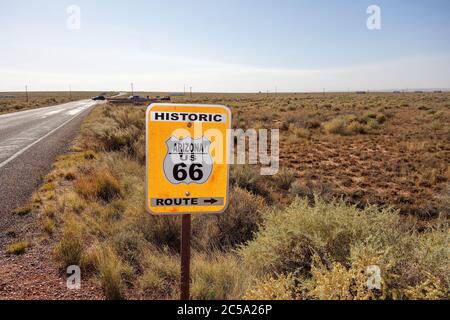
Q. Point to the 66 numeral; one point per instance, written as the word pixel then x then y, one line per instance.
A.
pixel 181 172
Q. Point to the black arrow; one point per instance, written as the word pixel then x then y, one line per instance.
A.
pixel 212 201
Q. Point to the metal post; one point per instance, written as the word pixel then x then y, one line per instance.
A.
pixel 26 92
pixel 185 256
pixel 190 89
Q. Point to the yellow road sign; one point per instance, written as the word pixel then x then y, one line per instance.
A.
pixel 188 152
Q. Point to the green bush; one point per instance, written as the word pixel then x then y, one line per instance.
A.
pixel 331 245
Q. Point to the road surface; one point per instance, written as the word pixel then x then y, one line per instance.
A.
pixel 29 142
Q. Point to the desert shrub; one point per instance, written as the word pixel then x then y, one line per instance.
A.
pixel 236 226
pixel 138 149
pixel 217 276
pixel 23 211
pixel 162 231
pixel 112 272
pixel 127 118
pixel 430 289
pixel 246 177
pixel 241 219
pixel 160 279
pixel 381 118
pixel 115 129
pixel 312 124
pixel 339 283
pixel 17 248
pixel 98 183
pixel 130 245
pixel 370 114
pixel 302 121
pixel 346 241
pixel 48 225
pixel 351 124
pixel 298 253
pixel 301 133
pixel 356 128
pixel 284 178
pixel 335 126
pixel 307 188
pixel 271 288
pixel 117 139
pixel 444 200
pixel 72 202
pixel 318 226
pixel 292 120
pixel 372 124
pixel 69 249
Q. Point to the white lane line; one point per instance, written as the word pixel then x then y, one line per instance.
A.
pixel 14 156
pixel 38 111
pixel 53 112
pixel 75 111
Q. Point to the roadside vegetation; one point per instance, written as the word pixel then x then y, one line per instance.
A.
pixel 291 236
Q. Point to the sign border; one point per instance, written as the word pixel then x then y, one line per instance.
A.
pixel 228 133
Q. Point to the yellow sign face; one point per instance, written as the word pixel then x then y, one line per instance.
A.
pixel 188 153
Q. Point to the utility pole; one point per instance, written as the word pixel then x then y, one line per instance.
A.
pixel 184 90
pixel 132 89
pixel 26 92
pixel 70 92
pixel 190 89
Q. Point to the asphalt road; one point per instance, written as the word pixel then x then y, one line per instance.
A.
pixel 29 142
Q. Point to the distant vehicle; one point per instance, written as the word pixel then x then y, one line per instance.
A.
pixel 136 99
pixel 163 98
pixel 99 98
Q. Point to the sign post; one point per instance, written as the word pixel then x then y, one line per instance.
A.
pixel 188 153
pixel 185 255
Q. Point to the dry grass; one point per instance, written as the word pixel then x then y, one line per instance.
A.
pixel 23 211
pixel 98 183
pixel 17 248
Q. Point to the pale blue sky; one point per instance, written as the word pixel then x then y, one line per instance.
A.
pixel 234 46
